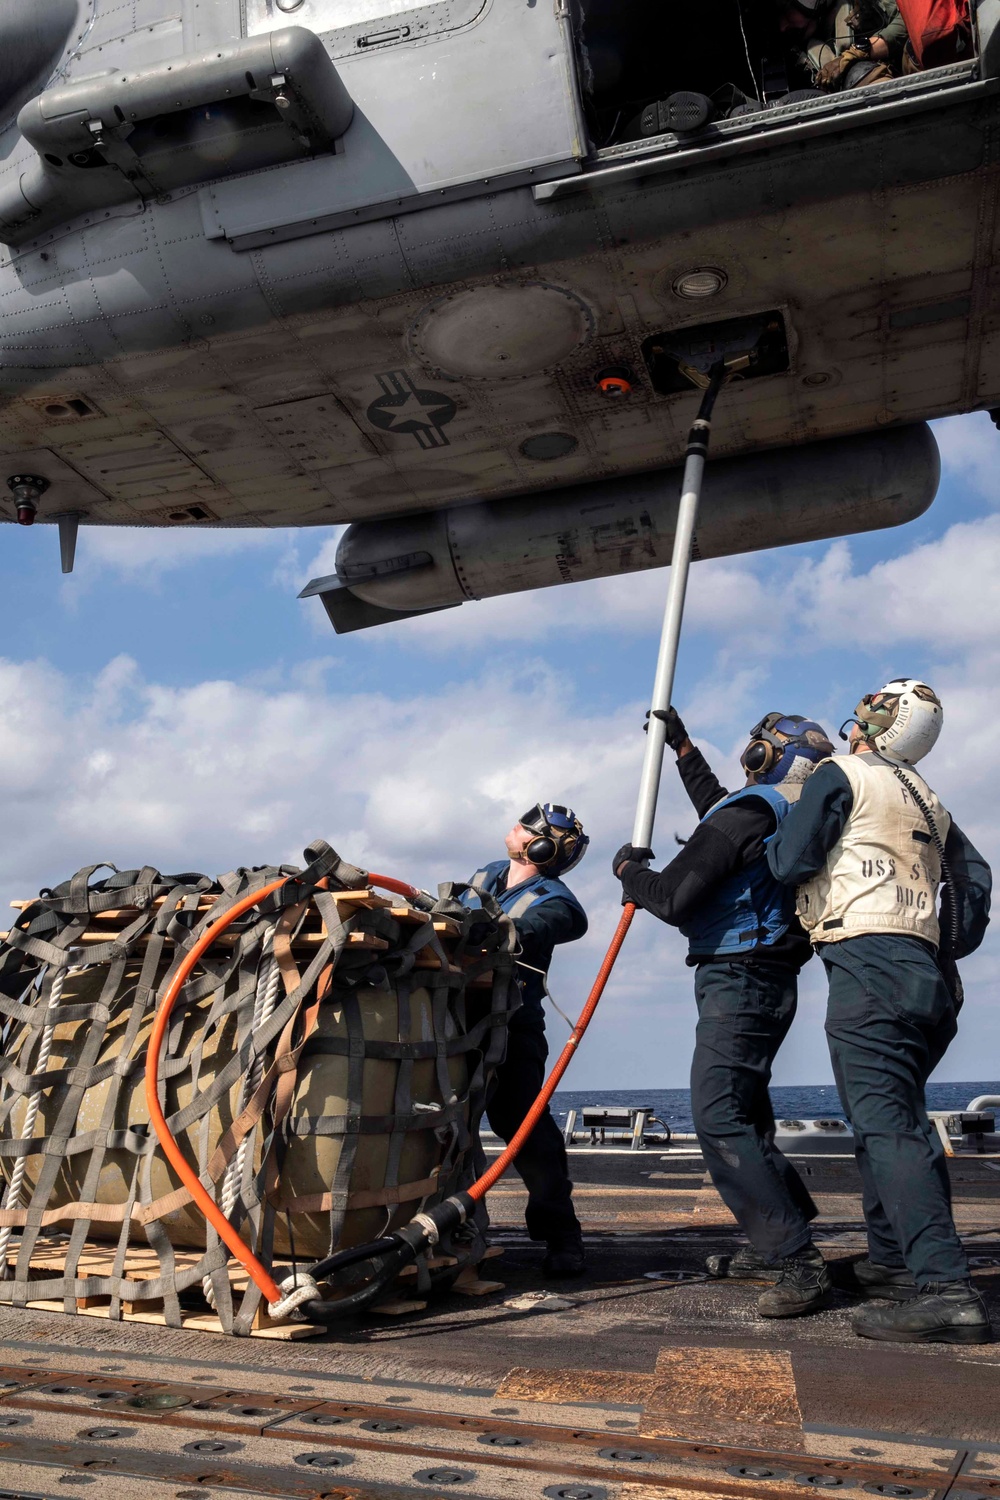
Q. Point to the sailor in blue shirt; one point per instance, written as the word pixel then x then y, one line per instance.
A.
pixel 543 845
pixel 746 948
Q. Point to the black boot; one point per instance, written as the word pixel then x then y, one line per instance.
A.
pixel 803 1286
pixel 565 1257
pixel 952 1312
pixel 682 113
pixel 745 1265
pixel 872 1280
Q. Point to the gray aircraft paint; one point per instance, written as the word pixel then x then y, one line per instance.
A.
pixel 382 327
pixel 587 531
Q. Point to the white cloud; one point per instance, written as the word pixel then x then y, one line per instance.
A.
pixel 225 770
pixel 130 550
pixel 942 593
pixel 424 787
pixel 970 452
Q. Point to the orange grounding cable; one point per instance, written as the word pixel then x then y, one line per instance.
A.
pixel 492 1175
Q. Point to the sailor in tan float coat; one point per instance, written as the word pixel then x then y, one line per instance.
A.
pixel 867 845
pixel 883 873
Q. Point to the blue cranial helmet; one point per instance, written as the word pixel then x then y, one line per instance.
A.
pixel 785 749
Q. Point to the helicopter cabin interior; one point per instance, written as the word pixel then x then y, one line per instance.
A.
pixel 648 71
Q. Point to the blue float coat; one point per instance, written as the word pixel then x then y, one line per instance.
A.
pixel 545 913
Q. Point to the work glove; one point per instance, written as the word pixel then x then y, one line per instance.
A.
pixel 831 74
pixel 676 733
pixel 630 854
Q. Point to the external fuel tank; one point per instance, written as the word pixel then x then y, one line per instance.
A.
pixel 404 566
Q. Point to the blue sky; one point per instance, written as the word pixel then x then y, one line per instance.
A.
pixel 174 703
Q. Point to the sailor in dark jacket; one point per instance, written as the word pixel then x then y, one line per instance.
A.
pixel 868 847
pixel 543 845
pixel 746 948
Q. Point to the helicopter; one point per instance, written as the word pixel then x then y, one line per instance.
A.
pixel 427 269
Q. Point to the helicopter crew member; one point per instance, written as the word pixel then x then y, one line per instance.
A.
pixel 843 45
pixel 746 948
pixel 868 845
pixel 543 845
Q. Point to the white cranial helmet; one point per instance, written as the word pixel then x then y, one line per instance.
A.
pixel 902 721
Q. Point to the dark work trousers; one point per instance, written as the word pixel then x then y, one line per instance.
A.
pixel 890 1020
pixel 744 1012
pixel 542 1159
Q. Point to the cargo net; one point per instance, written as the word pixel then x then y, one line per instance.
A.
pixel 324 1071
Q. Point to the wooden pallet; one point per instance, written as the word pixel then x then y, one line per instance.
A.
pixel 310 933
pixel 142 1264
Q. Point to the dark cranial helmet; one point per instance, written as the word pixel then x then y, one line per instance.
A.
pixel 560 841
pixel 785 749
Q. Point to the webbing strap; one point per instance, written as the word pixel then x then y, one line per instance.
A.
pixel 403 1192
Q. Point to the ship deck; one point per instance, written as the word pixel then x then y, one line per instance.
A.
pixel 635 1384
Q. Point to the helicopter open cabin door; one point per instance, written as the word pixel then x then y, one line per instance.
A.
pixel 674 80
pixel 452 99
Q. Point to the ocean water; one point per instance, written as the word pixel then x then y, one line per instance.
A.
pixel 819 1102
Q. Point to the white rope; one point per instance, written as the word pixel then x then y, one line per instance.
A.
pixel 746 49
pixel 13 1198
pixel 295 1289
pixel 548 993
pixel 265 999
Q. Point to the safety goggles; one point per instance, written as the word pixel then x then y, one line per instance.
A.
pixel 542 817
pixel 765 729
pixel 874 714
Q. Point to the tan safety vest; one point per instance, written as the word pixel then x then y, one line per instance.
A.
pixel 883 873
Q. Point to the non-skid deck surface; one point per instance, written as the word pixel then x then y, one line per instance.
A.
pixel 643 1386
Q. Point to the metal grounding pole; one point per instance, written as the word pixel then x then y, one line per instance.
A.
pixel 673 614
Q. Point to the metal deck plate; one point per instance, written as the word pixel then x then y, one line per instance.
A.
pixel 641 1388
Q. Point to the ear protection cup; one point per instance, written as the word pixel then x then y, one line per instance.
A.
pixel 557 841
pixel 541 851
pixel 764 750
pixel 759 757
